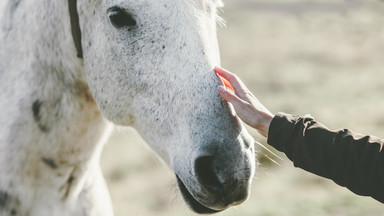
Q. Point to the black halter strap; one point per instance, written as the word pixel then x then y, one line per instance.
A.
pixel 75 25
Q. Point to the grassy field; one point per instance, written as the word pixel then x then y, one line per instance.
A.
pixel 325 58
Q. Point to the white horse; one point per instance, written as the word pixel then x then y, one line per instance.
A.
pixel 67 71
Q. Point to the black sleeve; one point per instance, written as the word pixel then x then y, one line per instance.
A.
pixel 351 160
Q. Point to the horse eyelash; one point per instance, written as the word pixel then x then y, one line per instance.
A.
pixel 221 21
pixel 219 3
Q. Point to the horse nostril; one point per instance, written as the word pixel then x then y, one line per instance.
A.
pixel 206 175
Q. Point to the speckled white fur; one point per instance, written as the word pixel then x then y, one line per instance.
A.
pixel 156 78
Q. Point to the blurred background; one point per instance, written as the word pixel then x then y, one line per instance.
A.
pixel 324 58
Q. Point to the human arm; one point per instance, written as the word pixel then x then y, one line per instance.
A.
pixel 350 159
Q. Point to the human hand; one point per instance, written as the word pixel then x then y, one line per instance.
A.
pixel 247 107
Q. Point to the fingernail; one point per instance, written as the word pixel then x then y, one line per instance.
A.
pixel 217 69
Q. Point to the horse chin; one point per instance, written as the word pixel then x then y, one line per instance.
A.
pixel 194 204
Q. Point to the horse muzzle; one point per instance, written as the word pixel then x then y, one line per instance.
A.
pixel 216 186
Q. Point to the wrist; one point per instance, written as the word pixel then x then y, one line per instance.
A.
pixel 263 126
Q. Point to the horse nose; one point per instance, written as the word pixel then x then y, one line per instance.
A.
pixel 213 177
pixel 206 175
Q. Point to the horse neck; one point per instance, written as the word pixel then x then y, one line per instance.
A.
pixel 39 30
pixel 49 118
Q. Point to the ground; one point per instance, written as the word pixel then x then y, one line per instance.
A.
pixel 319 57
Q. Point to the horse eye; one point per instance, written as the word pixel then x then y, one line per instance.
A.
pixel 120 18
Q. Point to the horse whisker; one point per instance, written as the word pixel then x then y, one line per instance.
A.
pixel 268 150
pixel 273 161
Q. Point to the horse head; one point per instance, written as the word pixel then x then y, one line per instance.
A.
pixel 149 65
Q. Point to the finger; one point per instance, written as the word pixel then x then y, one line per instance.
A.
pixel 238 104
pixel 226 83
pixel 237 84
pixel 230 97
